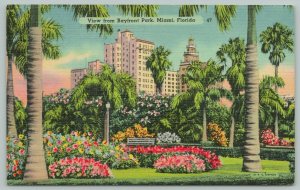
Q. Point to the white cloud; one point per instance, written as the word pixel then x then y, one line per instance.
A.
pixel 67 59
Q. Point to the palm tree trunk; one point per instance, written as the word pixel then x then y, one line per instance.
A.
pixel 276 112
pixel 158 90
pixel 204 134
pixel 231 137
pixel 36 165
pixel 251 158
pixel 11 130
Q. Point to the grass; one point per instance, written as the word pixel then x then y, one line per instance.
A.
pixel 274 172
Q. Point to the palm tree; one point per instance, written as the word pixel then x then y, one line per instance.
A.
pixel 34 76
pixel 269 99
pixel 118 89
pixel 202 80
pixel 224 13
pixel 275 40
pixel 17 46
pixel 158 63
pixel 13 14
pixel 236 52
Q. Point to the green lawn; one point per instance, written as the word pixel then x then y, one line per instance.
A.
pixel 274 172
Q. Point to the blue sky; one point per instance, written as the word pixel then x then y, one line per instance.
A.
pixel 207 36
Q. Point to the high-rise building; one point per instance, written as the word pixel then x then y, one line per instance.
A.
pixel 189 55
pixel 77 74
pixel 129 54
pixel 171 83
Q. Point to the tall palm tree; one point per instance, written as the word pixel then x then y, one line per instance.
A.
pixel 158 63
pixel 202 80
pixel 34 76
pixel 118 89
pixel 235 50
pixel 275 40
pixel 224 13
pixel 36 166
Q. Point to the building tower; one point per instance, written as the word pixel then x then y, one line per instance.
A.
pixel 189 55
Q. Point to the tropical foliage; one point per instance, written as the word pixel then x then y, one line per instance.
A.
pixel 158 64
pixel 133 132
pixel 234 52
pixel 217 135
pixel 16 153
pixel 275 41
pixel 203 81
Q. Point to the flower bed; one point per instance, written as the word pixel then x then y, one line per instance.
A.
pixel 269 138
pixel 179 164
pixel 15 157
pixel 148 155
pixel 78 168
pixel 59 146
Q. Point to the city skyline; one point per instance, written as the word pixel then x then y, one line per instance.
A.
pixel 77 49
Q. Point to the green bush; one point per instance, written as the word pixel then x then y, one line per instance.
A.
pixel 291 157
pixel 265 153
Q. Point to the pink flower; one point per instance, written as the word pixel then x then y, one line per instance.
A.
pixel 21 151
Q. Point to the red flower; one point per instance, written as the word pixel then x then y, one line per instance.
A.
pixel 55 149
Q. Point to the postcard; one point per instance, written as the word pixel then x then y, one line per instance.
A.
pixel 150 94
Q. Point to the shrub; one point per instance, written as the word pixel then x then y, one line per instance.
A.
pixel 59 146
pixel 148 155
pixel 179 164
pixel 291 158
pixel 167 137
pixel 217 135
pixel 265 153
pixel 137 131
pixel 149 111
pixel 78 168
pixel 16 153
pixel 269 138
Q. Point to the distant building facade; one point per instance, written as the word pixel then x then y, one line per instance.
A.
pixel 77 74
pixel 129 54
pixel 171 83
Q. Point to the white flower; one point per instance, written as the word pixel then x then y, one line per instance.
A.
pixel 168 137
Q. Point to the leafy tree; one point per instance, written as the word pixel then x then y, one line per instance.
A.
pixel 21 117
pixel 118 89
pixel 235 51
pixel 269 100
pixel 275 41
pixel 158 63
pixel 202 80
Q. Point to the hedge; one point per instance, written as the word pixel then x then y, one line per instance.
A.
pixel 281 179
pixel 275 153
